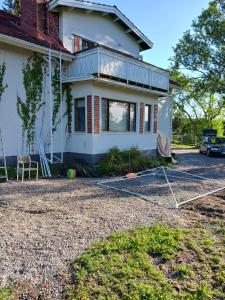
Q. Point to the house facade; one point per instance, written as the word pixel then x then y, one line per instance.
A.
pixel 116 99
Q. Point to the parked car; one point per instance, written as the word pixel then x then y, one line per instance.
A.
pixel 212 145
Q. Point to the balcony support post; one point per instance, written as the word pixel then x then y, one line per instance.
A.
pixel 99 62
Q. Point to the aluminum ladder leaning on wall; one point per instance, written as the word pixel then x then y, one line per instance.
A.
pixel 3 165
pixel 46 172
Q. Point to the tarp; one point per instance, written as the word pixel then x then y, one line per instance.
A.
pixel 164 146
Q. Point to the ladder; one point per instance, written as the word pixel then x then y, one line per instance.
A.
pixel 46 172
pixel 3 165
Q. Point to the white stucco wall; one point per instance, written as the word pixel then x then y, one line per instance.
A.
pixel 101 143
pixel 95 27
pixel 83 143
pixel 10 122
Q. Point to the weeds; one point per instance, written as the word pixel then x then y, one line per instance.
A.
pixel 5 293
pixel 137 265
pixel 120 162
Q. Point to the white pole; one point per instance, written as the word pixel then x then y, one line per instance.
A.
pixel 125 191
pixel 174 197
pixel 193 175
pixel 201 196
pixel 50 103
pixel 61 108
pixel 127 178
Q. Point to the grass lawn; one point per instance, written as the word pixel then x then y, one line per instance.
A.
pixel 158 263
pixel 151 263
pixel 5 293
pixel 181 146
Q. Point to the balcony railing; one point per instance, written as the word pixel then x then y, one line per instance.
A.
pixel 113 65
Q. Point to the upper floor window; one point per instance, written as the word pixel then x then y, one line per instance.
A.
pixel 82 43
pixel 148 112
pixel 85 44
pixel 118 116
pixel 80 118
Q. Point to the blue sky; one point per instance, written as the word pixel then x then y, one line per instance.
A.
pixel 163 21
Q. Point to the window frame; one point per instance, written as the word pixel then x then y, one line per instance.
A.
pixel 149 106
pixel 129 116
pixel 75 118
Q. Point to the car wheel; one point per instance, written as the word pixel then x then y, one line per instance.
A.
pixel 209 154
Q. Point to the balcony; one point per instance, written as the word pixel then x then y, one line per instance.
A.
pixel 101 62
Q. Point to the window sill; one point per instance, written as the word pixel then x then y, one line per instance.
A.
pixel 79 133
pixel 118 133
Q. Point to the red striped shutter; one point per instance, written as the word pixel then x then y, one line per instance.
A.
pixel 77 40
pixel 142 111
pixel 155 127
pixel 96 114
pixel 89 114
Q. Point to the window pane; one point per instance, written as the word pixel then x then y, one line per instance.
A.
pixel 104 115
pixel 86 44
pixel 132 117
pixel 147 118
pixel 80 115
pixel 118 116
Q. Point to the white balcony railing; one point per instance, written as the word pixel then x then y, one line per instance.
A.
pixel 101 61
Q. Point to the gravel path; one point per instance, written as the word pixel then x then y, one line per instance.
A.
pixel 45 225
pixel 200 164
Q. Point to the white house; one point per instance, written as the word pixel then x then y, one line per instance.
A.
pixel 117 98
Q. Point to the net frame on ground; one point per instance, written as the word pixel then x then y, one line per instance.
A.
pixel 166 172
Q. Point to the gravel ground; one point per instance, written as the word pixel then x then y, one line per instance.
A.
pixel 45 225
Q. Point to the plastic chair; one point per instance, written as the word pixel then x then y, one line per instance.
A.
pixel 25 164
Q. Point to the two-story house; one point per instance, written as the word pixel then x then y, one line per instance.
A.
pixel 117 98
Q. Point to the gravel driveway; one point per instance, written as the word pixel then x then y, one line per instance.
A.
pixel 45 225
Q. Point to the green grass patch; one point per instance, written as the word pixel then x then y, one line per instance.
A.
pixel 182 146
pixel 120 162
pixel 5 293
pixel 157 262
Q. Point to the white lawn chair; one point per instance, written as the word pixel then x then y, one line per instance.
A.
pixel 25 164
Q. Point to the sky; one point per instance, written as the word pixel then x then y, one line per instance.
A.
pixel 162 21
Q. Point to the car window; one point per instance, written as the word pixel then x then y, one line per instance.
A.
pixel 217 140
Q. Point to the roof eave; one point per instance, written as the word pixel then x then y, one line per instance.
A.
pixel 33 47
pixel 145 44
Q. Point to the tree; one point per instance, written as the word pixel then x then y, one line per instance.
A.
pixel 17 8
pixel 194 111
pixel 201 51
pixel 12 6
pixel 8 5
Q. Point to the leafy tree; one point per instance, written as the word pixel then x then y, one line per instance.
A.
pixel 17 8
pixel 12 6
pixel 198 65
pixel 201 51
pixel 8 5
pixel 194 111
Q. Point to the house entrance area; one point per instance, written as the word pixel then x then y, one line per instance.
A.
pixel 165 186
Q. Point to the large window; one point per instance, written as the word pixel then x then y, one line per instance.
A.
pixel 118 116
pixel 148 112
pixel 80 115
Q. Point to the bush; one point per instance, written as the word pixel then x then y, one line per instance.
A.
pixel 120 162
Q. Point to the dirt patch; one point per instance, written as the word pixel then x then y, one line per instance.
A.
pixel 212 207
